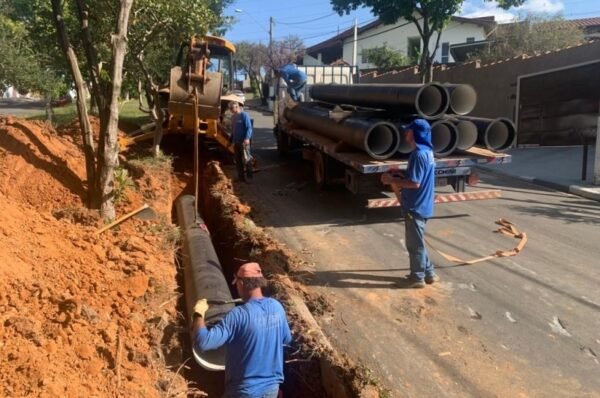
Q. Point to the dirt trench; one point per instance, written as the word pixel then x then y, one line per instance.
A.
pixel 312 368
pixel 84 314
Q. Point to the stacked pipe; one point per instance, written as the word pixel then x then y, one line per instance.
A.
pixel 203 276
pixel 381 134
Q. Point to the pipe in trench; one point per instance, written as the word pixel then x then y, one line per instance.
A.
pixel 203 277
pixel 429 101
pixel 378 138
pixel 497 135
pixel 463 98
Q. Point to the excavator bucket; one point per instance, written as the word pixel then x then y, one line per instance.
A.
pixel 196 80
pixel 181 97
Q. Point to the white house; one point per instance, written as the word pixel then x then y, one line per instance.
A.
pixel 402 36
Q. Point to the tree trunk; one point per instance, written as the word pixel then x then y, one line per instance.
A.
pixel 158 116
pixel 154 104
pixel 425 64
pixel 91 55
pixel 48 107
pixel 84 121
pixel 429 72
pixel 109 150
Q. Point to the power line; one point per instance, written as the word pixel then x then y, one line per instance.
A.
pixel 343 27
pixel 305 22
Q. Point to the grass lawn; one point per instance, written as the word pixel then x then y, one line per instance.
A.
pixel 128 112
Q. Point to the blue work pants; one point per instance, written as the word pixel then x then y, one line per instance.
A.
pixel 420 265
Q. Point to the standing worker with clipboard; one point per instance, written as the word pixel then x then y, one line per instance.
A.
pixel 416 195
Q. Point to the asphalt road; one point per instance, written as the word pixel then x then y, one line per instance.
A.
pixel 521 326
pixel 20 107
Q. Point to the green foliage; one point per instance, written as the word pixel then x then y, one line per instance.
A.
pixel 21 66
pixel 122 182
pixel 158 27
pixel 533 34
pixel 252 59
pixel 385 57
pixel 128 112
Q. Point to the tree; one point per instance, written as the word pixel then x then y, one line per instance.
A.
pixel 252 59
pixel 429 17
pixel 106 88
pixel 534 34
pixel 21 66
pixel 159 27
pixel 99 32
pixel 385 57
pixel 285 51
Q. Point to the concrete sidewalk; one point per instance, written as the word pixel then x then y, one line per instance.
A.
pixel 557 168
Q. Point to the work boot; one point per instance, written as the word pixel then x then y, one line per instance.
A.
pixel 431 279
pixel 410 283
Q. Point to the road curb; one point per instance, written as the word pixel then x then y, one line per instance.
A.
pixel 585 192
pixel 578 190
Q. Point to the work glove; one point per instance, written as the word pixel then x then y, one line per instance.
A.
pixel 201 307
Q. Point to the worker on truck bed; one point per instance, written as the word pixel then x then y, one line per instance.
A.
pixel 416 189
pixel 241 135
pixel 254 334
pixel 294 78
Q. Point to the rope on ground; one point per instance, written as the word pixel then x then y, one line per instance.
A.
pixel 506 228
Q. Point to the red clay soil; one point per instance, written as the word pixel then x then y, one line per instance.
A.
pixel 80 314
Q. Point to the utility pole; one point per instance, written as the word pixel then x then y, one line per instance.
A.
pixel 271 23
pixel 355 41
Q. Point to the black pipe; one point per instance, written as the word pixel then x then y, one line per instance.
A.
pixel 203 276
pixel 404 146
pixel 378 138
pixel 429 101
pixel 463 98
pixel 497 135
pixel 444 137
pixel 467 133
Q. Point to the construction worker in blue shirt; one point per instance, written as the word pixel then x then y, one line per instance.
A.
pixel 254 334
pixel 294 78
pixel 416 189
pixel 240 136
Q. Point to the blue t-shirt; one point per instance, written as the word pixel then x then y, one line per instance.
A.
pixel 421 169
pixel 254 334
pixel 292 75
pixel 242 127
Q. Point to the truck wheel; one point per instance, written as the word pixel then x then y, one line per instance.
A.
pixel 283 146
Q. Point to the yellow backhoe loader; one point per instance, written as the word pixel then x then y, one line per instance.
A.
pixel 200 89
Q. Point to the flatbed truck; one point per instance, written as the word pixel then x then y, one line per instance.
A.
pixel 336 162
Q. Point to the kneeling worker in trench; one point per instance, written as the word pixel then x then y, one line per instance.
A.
pixel 254 334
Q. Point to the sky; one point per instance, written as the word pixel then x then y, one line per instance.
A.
pixel 314 21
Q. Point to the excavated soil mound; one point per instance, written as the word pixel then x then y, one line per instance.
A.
pixel 81 314
pixel 37 167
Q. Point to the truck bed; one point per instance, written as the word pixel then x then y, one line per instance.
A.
pixel 364 164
